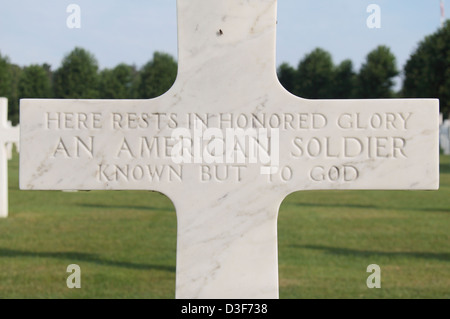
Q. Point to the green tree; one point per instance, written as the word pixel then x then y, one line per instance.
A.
pixel 427 72
pixel 287 76
pixel 157 76
pixel 5 77
pixel 15 72
pixel 315 75
pixel 376 77
pixel 34 82
pixel 9 74
pixel 77 78
pixel 118 83
pixel 344 78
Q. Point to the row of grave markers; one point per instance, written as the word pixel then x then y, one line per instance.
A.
pixel 9 136
pixel 227 230
pixel 444 136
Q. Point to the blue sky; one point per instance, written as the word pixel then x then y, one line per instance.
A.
pixel 115 31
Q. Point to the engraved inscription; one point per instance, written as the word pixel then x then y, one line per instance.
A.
pixel 344 173
pixel 349 147
pixel 225 145
pixel 222 173
pixel 75 147
pixel 385 121
pixel 149 173
pixel 73 121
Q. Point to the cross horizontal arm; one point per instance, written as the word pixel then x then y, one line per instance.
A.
pixel 355 144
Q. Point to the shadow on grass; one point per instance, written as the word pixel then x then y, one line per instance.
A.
pixel 364 253
pixel 75 257
pixel 144 208
pixel 444 168
pixel 420 209
pixel 336 205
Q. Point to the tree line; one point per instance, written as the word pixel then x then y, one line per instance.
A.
pixel 425 75
pixel 79 77
pixel 316 77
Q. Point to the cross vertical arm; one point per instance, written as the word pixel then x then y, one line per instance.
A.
pixel 227 244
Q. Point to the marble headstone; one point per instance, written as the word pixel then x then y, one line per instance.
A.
pixel 444 137
pixel 8 136
pixel 227 143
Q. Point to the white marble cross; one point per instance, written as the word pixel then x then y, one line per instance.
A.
pixel 227 143
pixel 10 145
pixel 8 135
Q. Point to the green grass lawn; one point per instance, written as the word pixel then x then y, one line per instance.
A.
pixel 125 243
